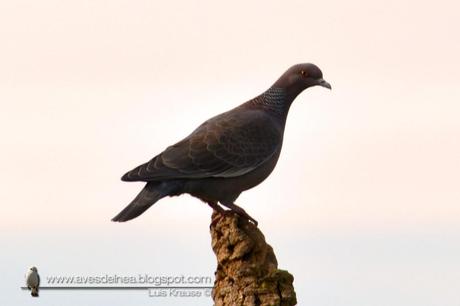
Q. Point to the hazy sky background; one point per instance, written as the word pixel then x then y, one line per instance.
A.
pixel 363 207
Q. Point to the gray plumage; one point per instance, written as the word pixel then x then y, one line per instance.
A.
pixel 227 154
pixel 33 281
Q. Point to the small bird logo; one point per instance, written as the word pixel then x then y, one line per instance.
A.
pixel 33 281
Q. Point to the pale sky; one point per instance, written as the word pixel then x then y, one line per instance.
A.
pixel 363 207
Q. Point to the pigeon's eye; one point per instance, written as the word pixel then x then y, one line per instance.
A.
pixel 303 73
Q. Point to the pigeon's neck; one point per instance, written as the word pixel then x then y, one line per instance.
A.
pixel 275 100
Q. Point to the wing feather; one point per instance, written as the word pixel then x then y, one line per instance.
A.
pixel 228 145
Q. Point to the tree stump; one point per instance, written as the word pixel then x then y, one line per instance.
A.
pixel 247 270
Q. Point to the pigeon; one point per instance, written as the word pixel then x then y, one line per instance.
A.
pixel 227 154
pixel 33 281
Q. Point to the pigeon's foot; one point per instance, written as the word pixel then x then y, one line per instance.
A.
pixel 216 207
pixel 241 212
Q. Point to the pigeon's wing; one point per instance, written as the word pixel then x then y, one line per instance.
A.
pixel 38 280
pixel 229 145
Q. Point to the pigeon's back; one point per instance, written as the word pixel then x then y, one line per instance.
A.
pixel 228 145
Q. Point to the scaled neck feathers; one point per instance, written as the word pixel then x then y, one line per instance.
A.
pixel 274 100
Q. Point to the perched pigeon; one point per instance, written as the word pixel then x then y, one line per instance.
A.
pixel 33 281
pixel 226 155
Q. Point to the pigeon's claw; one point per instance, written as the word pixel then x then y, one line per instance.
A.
pixel 241 212
pixel 216 207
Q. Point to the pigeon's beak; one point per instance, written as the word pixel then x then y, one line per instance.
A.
pixel 323 83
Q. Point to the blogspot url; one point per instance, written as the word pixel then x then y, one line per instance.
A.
pixel 140 279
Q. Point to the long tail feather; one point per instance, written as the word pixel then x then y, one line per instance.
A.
pixel 152 192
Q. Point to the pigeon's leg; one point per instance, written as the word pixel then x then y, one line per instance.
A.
pixel 216 207
pixel 240 211
pixel 220 210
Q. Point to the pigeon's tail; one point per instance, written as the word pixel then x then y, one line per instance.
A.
pixel 152 192
pixel 34 291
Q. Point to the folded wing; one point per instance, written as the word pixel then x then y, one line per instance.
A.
pixel 229 145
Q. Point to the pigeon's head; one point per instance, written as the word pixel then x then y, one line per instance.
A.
pixel 33 269
pixel 299 77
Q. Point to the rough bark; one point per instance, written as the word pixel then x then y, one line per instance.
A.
pixel 247 270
